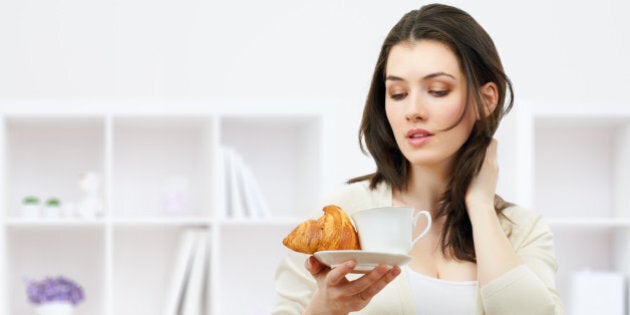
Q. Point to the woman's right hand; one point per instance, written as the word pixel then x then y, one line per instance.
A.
pixel 337 295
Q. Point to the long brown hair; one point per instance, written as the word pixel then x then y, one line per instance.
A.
pixel 480 63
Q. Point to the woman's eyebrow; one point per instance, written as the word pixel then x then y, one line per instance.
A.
pixel 426 77
pixel 437 74
pixel 393 78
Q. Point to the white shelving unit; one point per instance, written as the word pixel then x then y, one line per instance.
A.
pixel 125 258
pixel 576 172
pixel 570 162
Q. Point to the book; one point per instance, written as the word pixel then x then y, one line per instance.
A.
pixel 225 152
pixel 255 200
pixel 193 303
pixel 234 204
pixel 244 198
pixel 183 262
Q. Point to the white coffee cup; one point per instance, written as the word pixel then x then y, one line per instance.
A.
pixel 389 229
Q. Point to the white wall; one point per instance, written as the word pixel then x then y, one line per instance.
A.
pixel 286 49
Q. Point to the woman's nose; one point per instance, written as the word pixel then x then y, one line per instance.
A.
pixel 416 110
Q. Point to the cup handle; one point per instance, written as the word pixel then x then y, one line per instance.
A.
pixel 426 230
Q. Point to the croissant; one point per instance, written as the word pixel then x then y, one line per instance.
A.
pixel 332 231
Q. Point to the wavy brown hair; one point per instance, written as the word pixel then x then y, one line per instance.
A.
pixel 480 64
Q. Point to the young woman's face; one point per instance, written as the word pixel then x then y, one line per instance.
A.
pixel 425 96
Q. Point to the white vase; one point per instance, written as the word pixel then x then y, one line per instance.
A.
pixel 55 308
pixel 52 212
pixel 30 211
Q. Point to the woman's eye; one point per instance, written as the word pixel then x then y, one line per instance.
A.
pixel 398 96
pixel 439 93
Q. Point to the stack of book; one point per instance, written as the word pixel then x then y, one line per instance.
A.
pixel 244 199
pixel 188 283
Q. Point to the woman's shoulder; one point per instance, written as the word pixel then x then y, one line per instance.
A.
pixel 520 215
pixel 359 195
pixel 519 222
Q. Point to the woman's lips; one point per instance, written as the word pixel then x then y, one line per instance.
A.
pixel 418 137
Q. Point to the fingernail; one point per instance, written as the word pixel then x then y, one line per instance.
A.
pixel 381 269
pixel 350 264
pixel 396 271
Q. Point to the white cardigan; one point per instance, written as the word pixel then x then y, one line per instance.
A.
pixel 527 289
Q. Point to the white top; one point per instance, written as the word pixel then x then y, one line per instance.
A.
pixel 434 296
pixel 525 290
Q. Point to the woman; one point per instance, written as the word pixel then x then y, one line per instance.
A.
pixel 436 99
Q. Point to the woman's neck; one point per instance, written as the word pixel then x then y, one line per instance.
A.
pixel 425 188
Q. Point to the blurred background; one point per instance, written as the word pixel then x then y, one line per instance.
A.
pixel 156 152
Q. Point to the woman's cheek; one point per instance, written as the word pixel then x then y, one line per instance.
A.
pixel 450 115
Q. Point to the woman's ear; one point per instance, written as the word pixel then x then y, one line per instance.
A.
pixel 490 97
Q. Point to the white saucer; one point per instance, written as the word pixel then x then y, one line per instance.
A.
pixel 366 261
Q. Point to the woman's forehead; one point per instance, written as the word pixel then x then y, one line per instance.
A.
pixel 422 57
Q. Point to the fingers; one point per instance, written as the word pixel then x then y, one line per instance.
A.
pixel 333 276
pixel 482 188
pixel 356 294
pixel 338 274
pixel 314 266
pixel 491 156
pixel 336 292
pixel 373 282
pixel 378 285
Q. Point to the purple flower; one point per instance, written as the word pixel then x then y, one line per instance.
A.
pixel 57 289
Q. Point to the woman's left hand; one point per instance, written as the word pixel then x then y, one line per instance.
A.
pixel 482 188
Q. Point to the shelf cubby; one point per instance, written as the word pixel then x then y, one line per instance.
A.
pixel 576 163
pixel 45 157
pixel 162 167
pixel 77 253
pixel 284 153
pixel 144 258
pixel 585 249
pixel 580 157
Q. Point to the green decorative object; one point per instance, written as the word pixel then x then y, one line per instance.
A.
pixel 53 202
pixel 30 208
pixel 30 200
pixel 52 210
